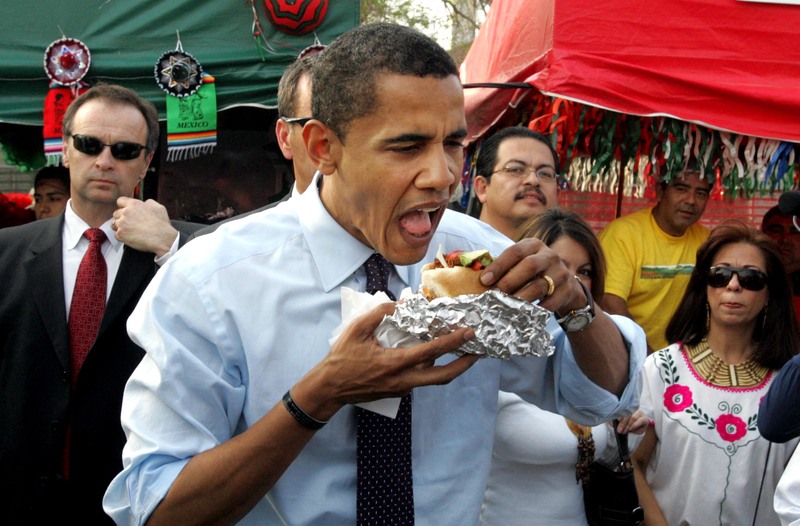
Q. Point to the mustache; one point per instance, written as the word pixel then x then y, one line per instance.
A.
pixel 531 190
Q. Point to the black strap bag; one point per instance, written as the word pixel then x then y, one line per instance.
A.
pixel 609 495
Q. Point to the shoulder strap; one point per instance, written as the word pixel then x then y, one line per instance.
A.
pixel 622 447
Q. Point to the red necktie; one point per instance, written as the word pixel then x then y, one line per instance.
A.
pixel 385 492
pixel 88 301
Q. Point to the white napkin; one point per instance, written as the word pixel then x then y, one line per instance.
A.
pixel 355 304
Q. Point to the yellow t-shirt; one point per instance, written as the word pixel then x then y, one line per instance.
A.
pixel 649 269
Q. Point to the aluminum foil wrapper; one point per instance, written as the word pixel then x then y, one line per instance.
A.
pixel 504 325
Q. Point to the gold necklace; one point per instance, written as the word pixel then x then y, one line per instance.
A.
pixel 715 371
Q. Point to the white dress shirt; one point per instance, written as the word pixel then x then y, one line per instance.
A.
pixel 74 246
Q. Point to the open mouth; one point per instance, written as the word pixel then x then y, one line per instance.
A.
pixel 419 222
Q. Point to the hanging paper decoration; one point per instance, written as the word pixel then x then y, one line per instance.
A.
pixel 66 62
pixel 595 146
pixel 192 122
pixel 191 105
pixel 55 105
pixel 296 17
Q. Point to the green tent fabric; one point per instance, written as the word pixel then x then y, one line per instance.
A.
pixel 126 38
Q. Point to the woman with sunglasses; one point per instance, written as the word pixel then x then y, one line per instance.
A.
pixel 703 461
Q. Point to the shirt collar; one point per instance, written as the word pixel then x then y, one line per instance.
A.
pixel 325 237
pixel 74 227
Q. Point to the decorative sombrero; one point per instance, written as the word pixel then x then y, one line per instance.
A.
pixel 296 17
pixel 178 73
pixel 66 61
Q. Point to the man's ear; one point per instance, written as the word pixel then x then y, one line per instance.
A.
pixel 65 152
pixel 147 160
pixel 322 145
pixel 479 185
pixel 282 131
pixel 660 188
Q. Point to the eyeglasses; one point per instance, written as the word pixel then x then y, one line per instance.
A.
pixel 296 120
pixel 124 151
pixel 523 170
pixel 749 278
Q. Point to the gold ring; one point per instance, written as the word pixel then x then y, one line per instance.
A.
pixel 551 286
pixel 114 224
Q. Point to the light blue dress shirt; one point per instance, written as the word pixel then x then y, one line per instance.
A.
pixel 237 317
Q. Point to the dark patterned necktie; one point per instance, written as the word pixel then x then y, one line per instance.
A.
pixel 385 490
pixel 88 301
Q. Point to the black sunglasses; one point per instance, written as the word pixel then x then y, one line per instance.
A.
pixel 296 120
pixel 124 151
pixel 749 278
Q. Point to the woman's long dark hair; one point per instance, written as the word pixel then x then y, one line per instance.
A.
pixel 556 222
pixel 776 338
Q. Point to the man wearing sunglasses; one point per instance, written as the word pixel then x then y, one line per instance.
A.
pixel 61 440
pixel 651 254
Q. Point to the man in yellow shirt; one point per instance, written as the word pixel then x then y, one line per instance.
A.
pixel 651 254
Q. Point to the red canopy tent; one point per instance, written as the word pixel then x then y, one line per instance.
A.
pixel 729 64
pixel 716 70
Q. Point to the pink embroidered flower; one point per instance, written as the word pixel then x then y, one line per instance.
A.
pixel 677 397
pixel 730 428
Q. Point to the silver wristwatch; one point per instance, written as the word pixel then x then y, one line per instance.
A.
pixel 578 319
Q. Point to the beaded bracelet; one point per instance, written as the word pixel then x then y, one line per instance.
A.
pixel 303 418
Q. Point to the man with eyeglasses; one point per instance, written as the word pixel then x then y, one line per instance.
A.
pixel 61 376
pixel 651 254
pixel 516 178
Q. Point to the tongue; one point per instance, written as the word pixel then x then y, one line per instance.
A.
pixel 416 223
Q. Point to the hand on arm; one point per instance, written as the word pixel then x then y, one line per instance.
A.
pixel 653 516
pixel 599 349
pixel 636 423
pixel 223 484
pixel 144 225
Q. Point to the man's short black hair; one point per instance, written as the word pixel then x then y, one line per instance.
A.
pixel 344 76
pixel 487 156
pixel 58 173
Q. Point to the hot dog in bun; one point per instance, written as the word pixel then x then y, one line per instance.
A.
pixel 455 274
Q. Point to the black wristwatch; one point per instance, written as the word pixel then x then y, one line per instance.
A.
pixel 579 319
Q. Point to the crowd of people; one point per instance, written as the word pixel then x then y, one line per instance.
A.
pixel 162 372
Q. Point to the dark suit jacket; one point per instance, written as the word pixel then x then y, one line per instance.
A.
pixel 210 228
pixel 35 398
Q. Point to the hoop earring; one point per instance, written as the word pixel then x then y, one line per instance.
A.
pixel 764 319
pixel 708 317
